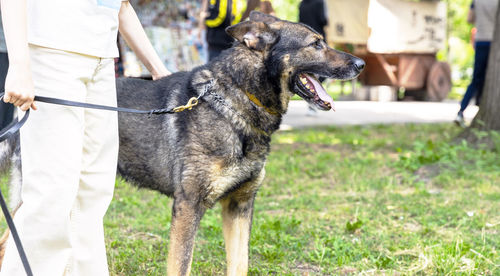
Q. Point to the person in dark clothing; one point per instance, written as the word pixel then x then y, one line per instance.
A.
pixel 217 15
pixel 313 13
pixel 217 38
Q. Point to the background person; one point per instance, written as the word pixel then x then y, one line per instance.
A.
pixel 65 49
pixel 217 15
pixel 313 13
pixel 482 15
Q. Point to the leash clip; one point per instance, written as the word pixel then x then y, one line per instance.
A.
pixel 194 100
pixel 190 104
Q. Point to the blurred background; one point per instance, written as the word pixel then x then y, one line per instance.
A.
pixel 415 50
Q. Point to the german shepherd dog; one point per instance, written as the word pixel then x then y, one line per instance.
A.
pixel 216 151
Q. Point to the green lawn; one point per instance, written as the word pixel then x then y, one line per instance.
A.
pixel 398 199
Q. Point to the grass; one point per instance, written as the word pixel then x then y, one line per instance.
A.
pixel 397 199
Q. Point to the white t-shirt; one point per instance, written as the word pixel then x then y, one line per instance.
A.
pixel 87 27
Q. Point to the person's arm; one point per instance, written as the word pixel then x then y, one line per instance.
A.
pixel 131 30
pixel 19 88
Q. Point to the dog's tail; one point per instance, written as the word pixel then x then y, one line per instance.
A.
pixel 5 236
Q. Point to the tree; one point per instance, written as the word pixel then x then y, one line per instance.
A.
pixel 488 117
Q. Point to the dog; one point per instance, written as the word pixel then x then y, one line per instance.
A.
pixel 216 151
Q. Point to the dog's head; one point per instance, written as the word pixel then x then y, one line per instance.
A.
pixel 296 56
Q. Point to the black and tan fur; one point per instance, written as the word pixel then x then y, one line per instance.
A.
pixel 216 152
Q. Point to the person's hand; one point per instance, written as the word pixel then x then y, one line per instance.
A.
pixel 19 88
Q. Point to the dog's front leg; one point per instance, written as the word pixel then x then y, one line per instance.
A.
pixel 237 210
pixel 237 222
pixel 186 216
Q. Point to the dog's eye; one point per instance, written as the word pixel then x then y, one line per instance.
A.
pixel 318 44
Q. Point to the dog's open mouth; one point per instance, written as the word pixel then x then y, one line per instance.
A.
pixel 311 90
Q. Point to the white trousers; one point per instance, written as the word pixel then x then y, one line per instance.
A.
pixel 69 158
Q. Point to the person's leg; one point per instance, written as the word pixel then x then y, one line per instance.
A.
pixel 51 143
pixel 478 75
pixel 97 178
pixel 482 50
pixel 469 93
pixel 6 110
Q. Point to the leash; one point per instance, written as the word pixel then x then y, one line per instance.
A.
pixel 192 102
pixel 14 126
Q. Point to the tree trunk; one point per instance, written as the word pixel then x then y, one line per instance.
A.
pixel 488 117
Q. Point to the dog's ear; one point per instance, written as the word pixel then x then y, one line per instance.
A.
pixel 255 35
pixel 262 17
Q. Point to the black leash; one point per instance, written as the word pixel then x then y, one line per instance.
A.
pixel 190 104
pixel 104 107
pixel 13 127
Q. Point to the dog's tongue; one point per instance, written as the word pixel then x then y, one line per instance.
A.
pixel 323 95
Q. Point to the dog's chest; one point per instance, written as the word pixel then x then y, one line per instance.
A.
pixel 230 178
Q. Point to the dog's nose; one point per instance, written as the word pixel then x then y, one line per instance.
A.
pixel 359 64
